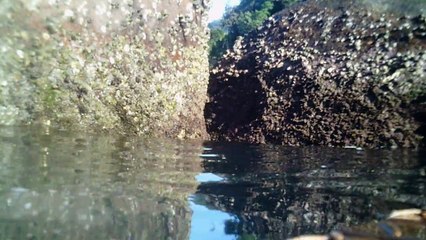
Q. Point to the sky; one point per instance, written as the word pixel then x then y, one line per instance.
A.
pixel 217 8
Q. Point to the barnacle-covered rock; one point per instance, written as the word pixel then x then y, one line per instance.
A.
pixel 129 66
pixel 325 72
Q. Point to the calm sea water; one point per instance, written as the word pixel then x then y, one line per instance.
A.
pixel 56 184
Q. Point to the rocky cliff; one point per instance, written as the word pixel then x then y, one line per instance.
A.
pixel 324 73
pixel 133 66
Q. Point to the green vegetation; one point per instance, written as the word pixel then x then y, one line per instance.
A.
pixel 240 20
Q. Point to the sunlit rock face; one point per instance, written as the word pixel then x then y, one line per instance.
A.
pixel 132 66
pixel 327 73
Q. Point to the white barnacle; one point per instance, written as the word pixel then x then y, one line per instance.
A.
pixel 68 13
pixel 20 53
pixel 100 9
pixel 82 7
pixel 358 44
pixel 80 20
pixel 126 48
pixel 45 36
pixel 111 60
pixel 27 205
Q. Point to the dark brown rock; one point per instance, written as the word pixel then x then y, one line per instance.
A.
pixel 323 75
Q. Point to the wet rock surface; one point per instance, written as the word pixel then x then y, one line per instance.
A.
pixel 401 224
pixel 126 66
pixel 324 74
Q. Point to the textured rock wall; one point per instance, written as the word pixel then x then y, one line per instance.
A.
pixel 133 66
pixel 328 73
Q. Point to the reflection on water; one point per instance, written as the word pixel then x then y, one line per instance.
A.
pixel 60 185
pixel 276 192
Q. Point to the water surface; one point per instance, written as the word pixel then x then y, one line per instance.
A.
pixel 56 184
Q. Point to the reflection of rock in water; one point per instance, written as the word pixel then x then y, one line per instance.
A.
pixel 57 185
pixel 282 192
pixel 75 214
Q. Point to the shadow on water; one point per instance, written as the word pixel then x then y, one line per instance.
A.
pixel 61 185
pixel 276 192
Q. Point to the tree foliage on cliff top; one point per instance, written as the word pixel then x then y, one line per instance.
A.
pixel 240 20
pixel 250 14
